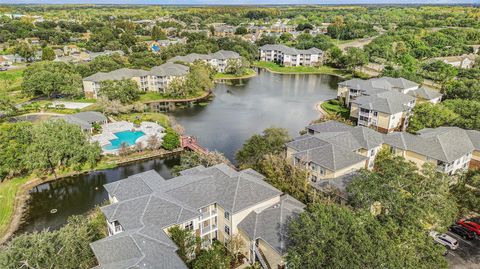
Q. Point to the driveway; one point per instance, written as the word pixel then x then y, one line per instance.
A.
pixel 467 256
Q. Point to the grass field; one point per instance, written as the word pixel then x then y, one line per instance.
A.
pixel 249 73
pixel 300 69
pixel 336 107
pixel 162 119
pixel 8 192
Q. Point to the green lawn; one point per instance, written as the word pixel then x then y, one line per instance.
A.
pixel 333 107
pixel 249 73
pixel 155 96
pixel 300 69
pixel 8 192
pixel 162 119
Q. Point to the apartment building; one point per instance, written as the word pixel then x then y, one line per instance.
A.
pixel 384 104
pixel 215 203
pixel 154 80
pixel 288 56
pixel 218 60
pixel 333 152
pixel 450 149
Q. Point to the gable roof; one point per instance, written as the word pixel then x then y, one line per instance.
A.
pixel 147 204
pixel 85 119
pixel 331 156
pixel 167 69
pixel 289 50
pixel 389 102
pixel 445 144
pixel 271 224
pixel 425 93
pixel 192 57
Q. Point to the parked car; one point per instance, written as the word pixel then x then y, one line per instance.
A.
pixel 445 240
pixel 475 219
pixel 470 225
pixel 462 231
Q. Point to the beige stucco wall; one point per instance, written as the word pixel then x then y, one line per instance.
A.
pixel 273 257
pixel 353 110
pixel 383 120
pixel 239 216
pixel 418 159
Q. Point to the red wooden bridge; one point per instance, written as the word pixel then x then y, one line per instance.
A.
pixel 191 143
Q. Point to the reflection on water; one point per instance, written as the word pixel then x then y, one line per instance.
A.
pixel 239 109
pixel 244 107
pixel 78 194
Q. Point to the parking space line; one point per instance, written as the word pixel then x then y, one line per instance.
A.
pixel 459 238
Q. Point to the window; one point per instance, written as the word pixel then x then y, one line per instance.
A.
pixel 314 178
pixel 227 230
pixel 372 152
pixel 226 215
pixel 375 113
pixel 189 225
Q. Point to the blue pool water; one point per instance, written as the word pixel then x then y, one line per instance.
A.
pixel 128 137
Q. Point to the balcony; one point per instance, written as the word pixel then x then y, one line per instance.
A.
pixel 208 214
pixel 209 229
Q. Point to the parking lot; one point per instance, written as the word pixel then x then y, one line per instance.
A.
pixel 467 256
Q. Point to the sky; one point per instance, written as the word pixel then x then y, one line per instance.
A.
pixel 239 2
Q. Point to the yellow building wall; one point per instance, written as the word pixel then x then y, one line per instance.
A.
pixel 273 257
pixel 354 110
pixel 383 120
pixel 418 159
pixel 246 244
pixel 239 216
pixel 221 221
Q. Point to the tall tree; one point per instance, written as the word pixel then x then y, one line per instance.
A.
pixel 397 190
pixel 48 54
pixel 333 236
pixel 125 90
pixel 49 78
pixel 56 143
pixel 158 33
pixel 191 159
pixel 15 138
pixel 188 244
pixel 214 257
pixel 271 141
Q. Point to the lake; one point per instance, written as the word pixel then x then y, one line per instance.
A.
pixel 238 110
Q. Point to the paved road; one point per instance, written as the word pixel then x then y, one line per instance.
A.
pixel 467 256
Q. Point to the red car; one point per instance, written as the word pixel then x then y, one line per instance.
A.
pixel 471 225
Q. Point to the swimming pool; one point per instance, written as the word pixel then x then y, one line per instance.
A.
pixel 128 137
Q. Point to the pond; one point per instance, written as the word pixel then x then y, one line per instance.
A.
pixel 238 110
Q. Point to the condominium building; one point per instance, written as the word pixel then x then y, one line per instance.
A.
pixel 155 80
pixel 450 149
pixel 332 151
pixel 218 60
pixel 214 203
pixel 288 56
pixel 384 104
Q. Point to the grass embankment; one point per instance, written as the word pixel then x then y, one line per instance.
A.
pixel 247 74
pixel 273 67
pixel 9 189
pixel 335 107
pixel 155 96
pixel 137 118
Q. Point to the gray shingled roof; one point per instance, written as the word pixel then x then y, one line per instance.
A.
pixel 339 183
pixel 288 50
pixel 119 74
pixel 85 119
pixel 345 135
pixel 443 143
pixel 390 102
pixel 331 156
pixel 167 69
pixel 329 126
pixel 148 204
pixel 375 84
pixel 192 57
pixel 474 138
pixel 271 224
pixel 425 93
